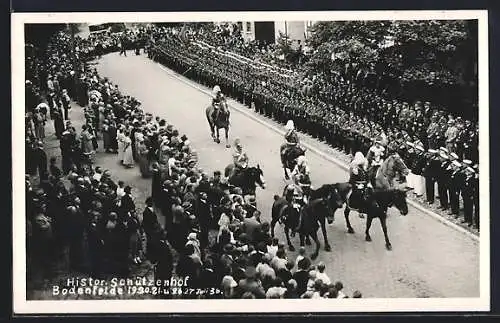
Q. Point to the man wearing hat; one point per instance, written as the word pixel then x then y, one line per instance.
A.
pixel 240 158
pixel 456 183
pixel 468 191
pixel 376 153
pixel 451 135
pixel 66 101
pixel 443 179
pixel 418 163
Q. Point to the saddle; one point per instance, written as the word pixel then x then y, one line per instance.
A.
pixel 357 196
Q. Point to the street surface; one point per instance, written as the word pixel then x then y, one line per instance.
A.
pixel 429 259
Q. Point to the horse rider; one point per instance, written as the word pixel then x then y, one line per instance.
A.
pixel 291 138
pixel 218 101
pixel 240 157
pixel 301 168
pixel 296 198
pixel 375 156
pixel 358 177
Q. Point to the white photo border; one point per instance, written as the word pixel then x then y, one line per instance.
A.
pixel 22 306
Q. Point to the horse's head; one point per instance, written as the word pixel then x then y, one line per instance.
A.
pixel 323 205
pixel 256 175
pixel 399 166
pixel 399 200
pixel 335 197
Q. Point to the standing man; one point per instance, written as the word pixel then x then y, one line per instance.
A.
pixel 431 171
pixel 451 136
pixel 443 179
pixel 66 101
pixel 41 161
pixel 121 45
pixel 468 192
pixel 456 185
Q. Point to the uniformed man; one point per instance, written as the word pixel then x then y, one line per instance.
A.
pixel 456 184
pixel 468 192
pixel 443 179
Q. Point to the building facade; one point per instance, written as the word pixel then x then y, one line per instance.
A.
pixel 269 31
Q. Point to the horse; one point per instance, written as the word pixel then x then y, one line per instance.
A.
pixel 221 122
pixel 376 203
pixel 384 176
pixel 289 158
pixel 289 215
pixel 286 213
pixel 247 178
pixel 313 216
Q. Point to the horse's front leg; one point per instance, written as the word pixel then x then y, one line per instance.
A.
pixel 368 225
pixel 383 223
pixel 347 210
pixel 227 137
pixel 212 130
pixel 302 238
pixel 318 245
pixel 217 140
pixel 325 235
pixel 287 177
pixel 290 246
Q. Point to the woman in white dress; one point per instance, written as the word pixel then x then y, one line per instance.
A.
pixel 128 159
pixel 120 136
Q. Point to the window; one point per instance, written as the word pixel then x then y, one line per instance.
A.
pixel 249 26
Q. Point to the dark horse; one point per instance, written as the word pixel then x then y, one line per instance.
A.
pixel 373 202
pixel 289 155
pixel 247 179
pixel 320 207
pixel 218 121
pixel 376 202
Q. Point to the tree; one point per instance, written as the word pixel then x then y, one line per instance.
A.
pixel 435 54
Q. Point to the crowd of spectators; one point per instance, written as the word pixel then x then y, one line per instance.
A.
pixel 78 215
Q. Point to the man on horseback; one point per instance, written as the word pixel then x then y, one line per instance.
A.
pixel 375 157
pixel 290 145
pixel 300 169
pixel 358 177
pixel 218 102
pixel 240 157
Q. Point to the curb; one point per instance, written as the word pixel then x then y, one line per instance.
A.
pixel 313 149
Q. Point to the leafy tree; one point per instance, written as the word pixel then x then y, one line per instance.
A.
pixel 431 53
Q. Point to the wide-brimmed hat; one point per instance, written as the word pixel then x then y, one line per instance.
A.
pixel 250 200
pixel 228 281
